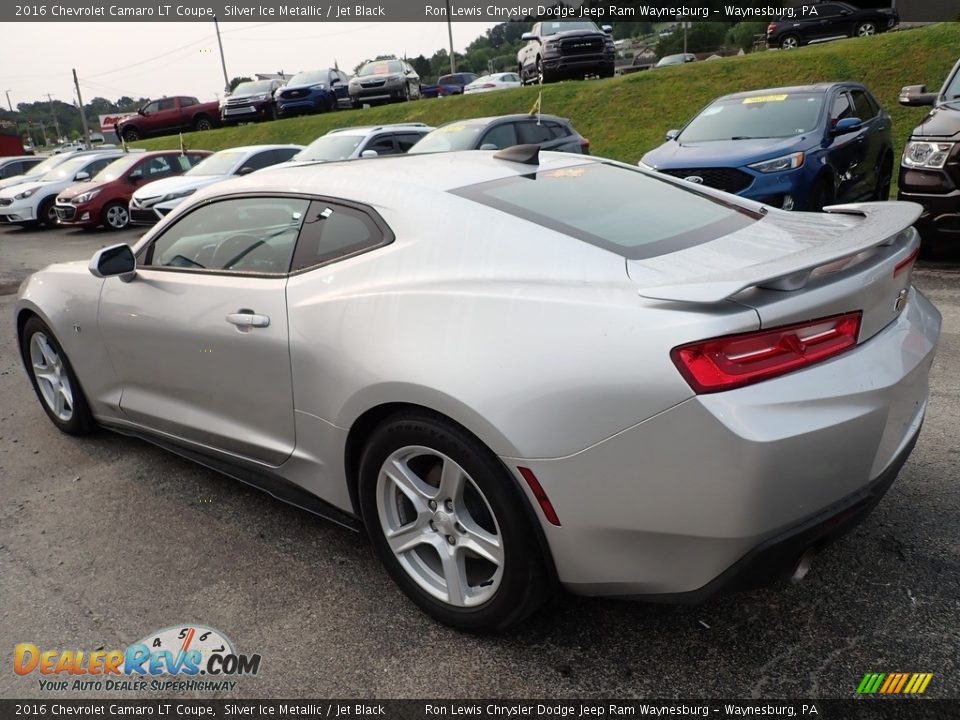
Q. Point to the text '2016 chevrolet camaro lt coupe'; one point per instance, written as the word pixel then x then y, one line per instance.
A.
pixel 569 373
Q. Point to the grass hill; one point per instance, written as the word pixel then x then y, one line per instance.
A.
pixel 627 116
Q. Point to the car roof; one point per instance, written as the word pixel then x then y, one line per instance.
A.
pixel 366 129
pixel 814 88
pixel 504 118
pixel 17 158
pixel 384 181
pixel 258 148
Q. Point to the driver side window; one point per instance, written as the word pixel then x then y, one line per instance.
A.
pixel 254 235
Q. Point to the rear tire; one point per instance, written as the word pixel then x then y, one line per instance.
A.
pixel 884 179
pixel 789 42
pixel 54 380
pixel 131 134
pixel 866 29
pixel 466 552
pixel 821 195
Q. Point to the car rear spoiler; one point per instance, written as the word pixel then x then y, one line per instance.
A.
pixel 685 277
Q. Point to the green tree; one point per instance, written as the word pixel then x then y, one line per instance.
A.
pixel 238 80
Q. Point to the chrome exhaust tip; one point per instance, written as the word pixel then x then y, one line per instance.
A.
pixel 802 567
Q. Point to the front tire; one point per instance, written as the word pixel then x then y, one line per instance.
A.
pixel 821 195
pixel 131 134
pixel 115 216
pixel 884 179
pixel 47 214
pixel 202 123
pixel 448 522
pixel 53 379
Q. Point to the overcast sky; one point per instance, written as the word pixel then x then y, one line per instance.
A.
pixel 165 58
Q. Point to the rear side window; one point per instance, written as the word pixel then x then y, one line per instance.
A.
pixel 167 104
pixel 531 132
pixel 383 145
pixel 332 231
pixel 615 208
pixel 284 154
pixel 864 107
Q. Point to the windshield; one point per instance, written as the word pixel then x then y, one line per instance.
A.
pixel 67 170
pixel 455 136
pixel 252 88
pixel 952 91
pixel 552 28
pixel 329 148
pixel 630 213
pixel 310 78
pixel 777 115
pixel 221 163
pixel 384 67
pixel 44 167
pixel 117 168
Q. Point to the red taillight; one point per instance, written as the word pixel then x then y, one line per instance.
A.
pixel 733 361
pixel 584 144
pixel 548 512
pixel 771 27
pixel 906 262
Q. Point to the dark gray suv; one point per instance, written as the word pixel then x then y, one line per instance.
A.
pixel 496 133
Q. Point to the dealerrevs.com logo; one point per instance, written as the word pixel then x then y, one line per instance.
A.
pixel 185 657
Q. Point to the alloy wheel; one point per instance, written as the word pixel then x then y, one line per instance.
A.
pixel 51 376
pixel 117 217
pixel 789 43
pixel 440 526
pixel 867 29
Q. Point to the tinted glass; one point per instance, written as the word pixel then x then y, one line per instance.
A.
pixel 841 108
pixel 242 235
pixel 616 208
pixel 405 142
pixel 220 163
pixel 168 104
pixel 500 137
pixel 157 166
pixel 330 147
pixel 334 231
pixel 69 169
pixel 118 168
pixel 261 160
pixel 531 132
pixel 310 78
pixel 382 67
pixel 383 145
pixel 761 116
pixel 861 103
pixel 254 88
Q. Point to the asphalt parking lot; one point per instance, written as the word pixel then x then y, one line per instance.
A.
pixel 105 539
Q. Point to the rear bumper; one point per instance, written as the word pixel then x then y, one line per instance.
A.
pixel 731 488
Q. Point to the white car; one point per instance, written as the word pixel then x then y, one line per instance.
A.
pixel 33 202
pixel 154 200
pixel 38 171
pixel 497 81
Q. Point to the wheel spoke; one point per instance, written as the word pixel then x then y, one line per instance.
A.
pixel 410 536
pixel 454 576
pixel 483 544
pixel 451 481
pixel 67 397
pixel 48 354
pixel 58 403
pixel 409 483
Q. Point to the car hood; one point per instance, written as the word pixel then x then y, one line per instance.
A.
pixel 80 188
pixel 176 184
pixel 941 122
pixel 19 180
pixel 717 153
pixel 573 33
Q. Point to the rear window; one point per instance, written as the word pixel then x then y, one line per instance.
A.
pixel 619 209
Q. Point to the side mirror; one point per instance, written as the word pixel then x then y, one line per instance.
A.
pixel 608 29
pixel 672 134
pixel 844 12
pixel 245 170
pixel 847 125
pixel 114 261
pixel 528 36
pixel 135 176
pixel 916 95
pixel 369 154
pixel 81 176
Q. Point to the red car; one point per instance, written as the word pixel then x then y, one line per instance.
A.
pixel 104 199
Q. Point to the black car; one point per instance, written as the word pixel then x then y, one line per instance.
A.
pixel 384 81
pixel 930 166
pixel 496 133
pixel 558 49
pixel 819 22
pixel 250 101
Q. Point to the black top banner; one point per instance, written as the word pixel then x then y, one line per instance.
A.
pixel 599 11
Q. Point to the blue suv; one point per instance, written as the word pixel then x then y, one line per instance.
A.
pixel 796 148
pixel 312 92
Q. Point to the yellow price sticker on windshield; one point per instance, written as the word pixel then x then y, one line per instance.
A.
pixel 565 172
pixel 764 99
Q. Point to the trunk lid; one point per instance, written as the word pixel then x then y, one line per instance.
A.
pixel 792 267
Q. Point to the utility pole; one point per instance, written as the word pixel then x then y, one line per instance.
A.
pixel 9 104
pixel 83 115
pixel 43 132
pixel 453 61
pixel 56 123
pixel 223 62
pixel 685 41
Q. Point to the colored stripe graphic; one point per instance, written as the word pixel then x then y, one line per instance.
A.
pixel 894 683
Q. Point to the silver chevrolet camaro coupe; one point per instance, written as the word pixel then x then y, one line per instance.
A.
pixel 517 372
